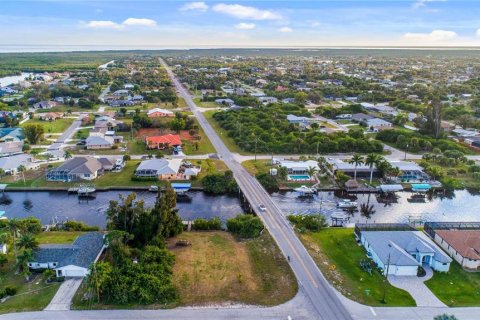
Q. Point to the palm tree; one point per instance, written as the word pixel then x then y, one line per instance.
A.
pixel 367 210
pixel 371 160
pixel 357 160
pixel 67 155
pixel 2 172
pixel 28 241
pixel 22 263
pixel 21 168
pixel 13 226
pixel 395 172
pixel 312 171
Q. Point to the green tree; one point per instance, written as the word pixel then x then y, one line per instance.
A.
pixel 300 97
pixel 33 133
pixel 356 160
pixel 27 241
pixel 371 160
pixel 22 263
pixel 245 225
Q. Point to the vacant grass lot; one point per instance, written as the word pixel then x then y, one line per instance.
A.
pixel 57 126
pixel 36 293
pixel 338 255
pixel 229 142
pixel 218 269
pixel 456 288
pixel 206 104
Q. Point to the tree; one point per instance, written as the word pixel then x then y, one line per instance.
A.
pixel 165 214
pixel 22 263
pixel 13 226
pixel 371 160
pixel 356 160
pixel 312 171
pixel 67 154
pixel 28 241
pixel 245 225
pixel 367 210
pixel 33 133
pixel 300 97
pixel 268 182
pixel 100 275
pixel 21 168
pixel 282 173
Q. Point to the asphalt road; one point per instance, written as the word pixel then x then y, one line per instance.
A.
pixel 310 279
pixel 67 134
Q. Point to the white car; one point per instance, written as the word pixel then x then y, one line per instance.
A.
pixel 262 207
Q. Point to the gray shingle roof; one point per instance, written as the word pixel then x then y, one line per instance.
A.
pixel 81 253
pixel 403 245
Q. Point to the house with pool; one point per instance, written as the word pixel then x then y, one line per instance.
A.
pixel 401 251
pixel 299 170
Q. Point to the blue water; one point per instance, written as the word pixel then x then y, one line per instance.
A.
pixel 297 177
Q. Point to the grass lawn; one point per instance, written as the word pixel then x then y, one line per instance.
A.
pixel 57 126
pixel 255 167
pixel 329 247
pixel 82 133
pixel 456 288
pixel 58 237
pixel 206 104
pixel 66 109
pixel 229 142
pixel 218 269
pixel 202 146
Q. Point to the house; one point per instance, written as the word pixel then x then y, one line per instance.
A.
pixel 82 168
pixel 293 119
pixel 163 142
pixel 128 86
pixel 299 167
pixel 378 124
pixel 159 113
pixel 361 117
pixel 45 105
pixel 99 142
pixel 121 103
pixel 69 260
pixel 10 164
pixel 121 93
pixel 163 169
pixel 11 134
pixel 461 245
pixel 226 101
pixel 50 116
pixel 401 252
pixel 267 100
pixel 10 148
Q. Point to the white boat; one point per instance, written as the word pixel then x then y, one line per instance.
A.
pixel 305 190
pixel 346 204
pixel 153 188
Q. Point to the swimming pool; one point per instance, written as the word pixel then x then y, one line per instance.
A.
pixel 298 177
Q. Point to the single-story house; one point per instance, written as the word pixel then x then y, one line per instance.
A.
pixel 45 104
pixel 378 124
pixel 267 100
pixel 10 148
pixel 299 167
pixel 402 252
pixel 163 169
pixel 461 245
pixel 50 116
pixel 159 113
pixel 69 260
pixel 10 164
pixel 82 168
pixel 99 142
pixel 293 119
pixel 225 101
pixel 163 142
pixel 121 92
pixel 11 134
pixel 361 117
pixel 121 103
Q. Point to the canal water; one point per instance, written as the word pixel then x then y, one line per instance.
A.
pixel 458 206
pixel 47 205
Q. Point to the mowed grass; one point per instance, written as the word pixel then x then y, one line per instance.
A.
pixel 255 167
pixel 457 287
pixel 58 237
pixel 218 269
pixel 57 126
pixel 338 255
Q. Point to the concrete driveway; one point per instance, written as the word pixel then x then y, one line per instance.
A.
pixel 63 298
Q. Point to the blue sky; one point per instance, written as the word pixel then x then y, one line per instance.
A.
pixel 230 23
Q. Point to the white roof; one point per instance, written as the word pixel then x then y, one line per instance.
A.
pixel 162 166
pixel 377 122
pixel 299 164
pixel 406 165
pixel 159 110
pixel 13 162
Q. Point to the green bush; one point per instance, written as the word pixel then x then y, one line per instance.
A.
pixel 220 184
pixel 134 178
pixel 207 224
pixel 245 226
pixel 308 222
pixel 78 226
pixel 268 182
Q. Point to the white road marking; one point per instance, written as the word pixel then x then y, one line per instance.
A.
pixel 373 311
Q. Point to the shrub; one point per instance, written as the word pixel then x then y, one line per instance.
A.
pixel 452 172
pixel 9 291
pixel 308 222
pixel 127 157
pixel 78 226
pixel 245 226
pixel 268 182
pixel 207 224
pixel 219 184
pixel 135 178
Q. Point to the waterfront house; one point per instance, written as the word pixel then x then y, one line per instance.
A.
pixel 299 167
pixel 83 168
pixel 11 134
pixel 163 169
pixel 69 260
pixel 163 142
pixel 159 113
pixel 10 164
pixel 402 252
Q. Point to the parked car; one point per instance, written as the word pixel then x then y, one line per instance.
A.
pixel 262 207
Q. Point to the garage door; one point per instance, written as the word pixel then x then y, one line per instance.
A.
pixel 73 273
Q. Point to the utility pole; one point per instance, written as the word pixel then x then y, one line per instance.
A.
pixel 406 148
pixel 386 277
pixel 256 140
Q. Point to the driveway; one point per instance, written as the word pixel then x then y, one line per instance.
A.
pixel 417 289
pixel 63 298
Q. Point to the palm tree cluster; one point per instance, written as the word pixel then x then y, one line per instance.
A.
pixel 374 160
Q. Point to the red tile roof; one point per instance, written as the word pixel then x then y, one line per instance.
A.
pixel 168 139
pixel 465 242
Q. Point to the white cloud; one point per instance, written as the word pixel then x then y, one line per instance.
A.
pixel 103 24
pixel 315 24
pixel 423 3
pixel 285 29
pixel 139 22
pixel 245 26
pixel 245 12
pixel 129 22
pixel 434 36
pixel 199 5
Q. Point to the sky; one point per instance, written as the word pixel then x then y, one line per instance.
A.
pixel 230 23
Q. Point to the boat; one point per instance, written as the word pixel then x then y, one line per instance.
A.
pixel 346 204
pixel 305 191
pixel 153 189
pixel 86 192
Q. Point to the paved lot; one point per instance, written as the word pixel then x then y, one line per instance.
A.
pixel 63 298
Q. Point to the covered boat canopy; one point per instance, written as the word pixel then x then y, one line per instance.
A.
pixel 421 187
pixel 391 187
pixel 181 187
